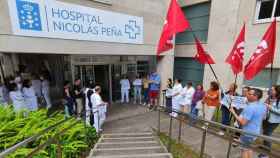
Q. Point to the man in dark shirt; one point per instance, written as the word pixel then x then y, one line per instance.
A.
pixel 78 95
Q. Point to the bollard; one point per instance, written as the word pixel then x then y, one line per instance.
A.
pixel 229 145
pixel 203 142
pixel 180 130
pixel 170 133
pixel 158 122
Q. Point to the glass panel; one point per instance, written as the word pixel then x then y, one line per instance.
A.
pixel 266 9
pixel 277 11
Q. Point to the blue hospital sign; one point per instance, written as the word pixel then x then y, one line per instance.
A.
pixel 29 15
pixel 54 19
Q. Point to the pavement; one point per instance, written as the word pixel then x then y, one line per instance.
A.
pixel 129 118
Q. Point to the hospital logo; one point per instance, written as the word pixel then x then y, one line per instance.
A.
pixel 29 15
pixel 132 29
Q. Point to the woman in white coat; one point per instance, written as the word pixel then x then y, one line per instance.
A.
pixel 177 89
pixel 186 97
pixel 17 98
pixel 45 91
pixel 31 100
pixel 101 106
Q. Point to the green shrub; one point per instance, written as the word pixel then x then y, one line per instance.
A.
pixel 15 127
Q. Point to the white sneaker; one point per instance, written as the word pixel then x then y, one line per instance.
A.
pixel 221 133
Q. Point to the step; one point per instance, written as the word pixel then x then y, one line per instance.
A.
pixel 159 155
pixel 128 151
pixel 114 135
pixel 127 144
pixel 127 139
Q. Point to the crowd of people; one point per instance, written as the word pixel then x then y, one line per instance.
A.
pixel 75 98
pixel 247 111
pixel 26 94
pixel 149 85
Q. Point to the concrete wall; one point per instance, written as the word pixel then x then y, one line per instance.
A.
pixel 153 13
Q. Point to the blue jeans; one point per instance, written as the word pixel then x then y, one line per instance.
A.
pixel 146 95
pixel 268 129
pixel 137 93
pixel 225 116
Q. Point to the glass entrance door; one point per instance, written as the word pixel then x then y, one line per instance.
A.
pixel 85 73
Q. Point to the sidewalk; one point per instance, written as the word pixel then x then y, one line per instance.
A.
pixel 132 118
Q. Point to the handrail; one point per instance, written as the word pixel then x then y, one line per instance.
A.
pixel 207 123
pixel 30 139
pixel 48 141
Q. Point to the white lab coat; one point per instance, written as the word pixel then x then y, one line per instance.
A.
pixel 125 86
pixel 187 95
pixel 46 93
pixel 37 85
pixel 31 101
pixel 176 99
pixel 4 96
pixel 17 100
pixel 100 116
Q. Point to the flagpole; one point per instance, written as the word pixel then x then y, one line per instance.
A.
pixel 214 73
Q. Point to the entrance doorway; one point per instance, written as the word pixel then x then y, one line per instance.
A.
pixel 101 73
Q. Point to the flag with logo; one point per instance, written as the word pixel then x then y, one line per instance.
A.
pixel 263 55
pixel 201 55
pixel 175 22
pixel 236 56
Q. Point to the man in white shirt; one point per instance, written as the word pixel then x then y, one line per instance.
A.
pixel 137 83
pixel 125 87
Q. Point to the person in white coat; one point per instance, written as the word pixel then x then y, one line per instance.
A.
pixel 186 97
pixel 4 95
pixel 17 98
pixel 101 107
pixel 137 84
pixel 125 87
pixel 176 91
pixel 45 91
pixel 31 101
pixel 37 85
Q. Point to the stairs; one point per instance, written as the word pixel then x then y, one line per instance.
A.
pixel 129 145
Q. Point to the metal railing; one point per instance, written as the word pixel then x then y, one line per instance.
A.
pixel 52 140
pixel 211 127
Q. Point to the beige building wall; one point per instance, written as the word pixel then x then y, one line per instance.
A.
pixel 226 20
pixel 153 13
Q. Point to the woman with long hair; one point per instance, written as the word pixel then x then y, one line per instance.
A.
pixel 273 118
pixel 177 88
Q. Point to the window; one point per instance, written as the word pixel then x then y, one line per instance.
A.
pixel 266 9
pixel 261 80
pixel 198 16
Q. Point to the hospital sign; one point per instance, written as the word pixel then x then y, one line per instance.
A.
pixel 54 19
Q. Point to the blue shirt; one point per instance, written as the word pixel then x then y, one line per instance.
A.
pixel 254 113
pixel 155 86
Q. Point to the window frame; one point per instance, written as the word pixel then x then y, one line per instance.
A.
pixel 267 20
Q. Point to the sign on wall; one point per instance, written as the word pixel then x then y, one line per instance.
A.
pixel 54 19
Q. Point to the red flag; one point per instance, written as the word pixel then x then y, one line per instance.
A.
pixel 264 53
pixel 175 22
pixel 235 58
pixel 201 56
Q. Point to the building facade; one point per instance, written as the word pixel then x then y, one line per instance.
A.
pixel 98 40
pixel 217 24
pixel 101 40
